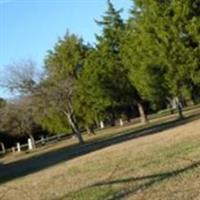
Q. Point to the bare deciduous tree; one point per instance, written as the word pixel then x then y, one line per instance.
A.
pixel 21 77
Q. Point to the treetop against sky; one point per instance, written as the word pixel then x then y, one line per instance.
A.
pixel 31 27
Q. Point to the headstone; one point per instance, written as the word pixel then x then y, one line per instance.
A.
pixel 3 149
pixel 101 124
pixel 18 147
pixel 30 145
pixel 121 122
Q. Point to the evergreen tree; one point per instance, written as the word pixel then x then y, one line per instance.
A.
pixel 142 55
pixel 159 51
pixel 109 86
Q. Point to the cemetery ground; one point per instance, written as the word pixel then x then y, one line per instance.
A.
pixel 160 160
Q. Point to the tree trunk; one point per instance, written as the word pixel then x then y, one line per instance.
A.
pixel 180 112
pixel 112 119
pixel 75 128
pixel 171 110
pixel 171 105
pixel 179 108
pixel 142 113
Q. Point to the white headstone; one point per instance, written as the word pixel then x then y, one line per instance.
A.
pixel 18 147
pixel 30 145
pixel 3 149
pixel 121 122
pixel 101 124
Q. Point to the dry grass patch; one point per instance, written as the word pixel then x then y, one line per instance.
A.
pixel 160 166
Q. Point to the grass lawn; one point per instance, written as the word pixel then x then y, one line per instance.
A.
pixel 161 166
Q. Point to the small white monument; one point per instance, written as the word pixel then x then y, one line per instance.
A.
pixel 30 145
pixel 18 147
pixel 121 122
pixel 101 124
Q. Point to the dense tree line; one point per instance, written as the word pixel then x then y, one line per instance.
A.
pixel 141 65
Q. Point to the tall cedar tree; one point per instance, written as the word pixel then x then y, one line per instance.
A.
pixel 106 83
pixel 163 56
pixel 110 46
pixel 141 54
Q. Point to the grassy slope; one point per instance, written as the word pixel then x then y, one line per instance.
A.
pixel 160 166
pixel 164 166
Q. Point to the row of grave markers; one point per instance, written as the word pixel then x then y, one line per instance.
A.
pixel 31 146
pixel 121 123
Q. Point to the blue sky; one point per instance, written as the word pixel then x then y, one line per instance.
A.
pixel 28 28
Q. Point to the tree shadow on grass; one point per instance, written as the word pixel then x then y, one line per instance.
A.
pixel 36 163
pixel 149 181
